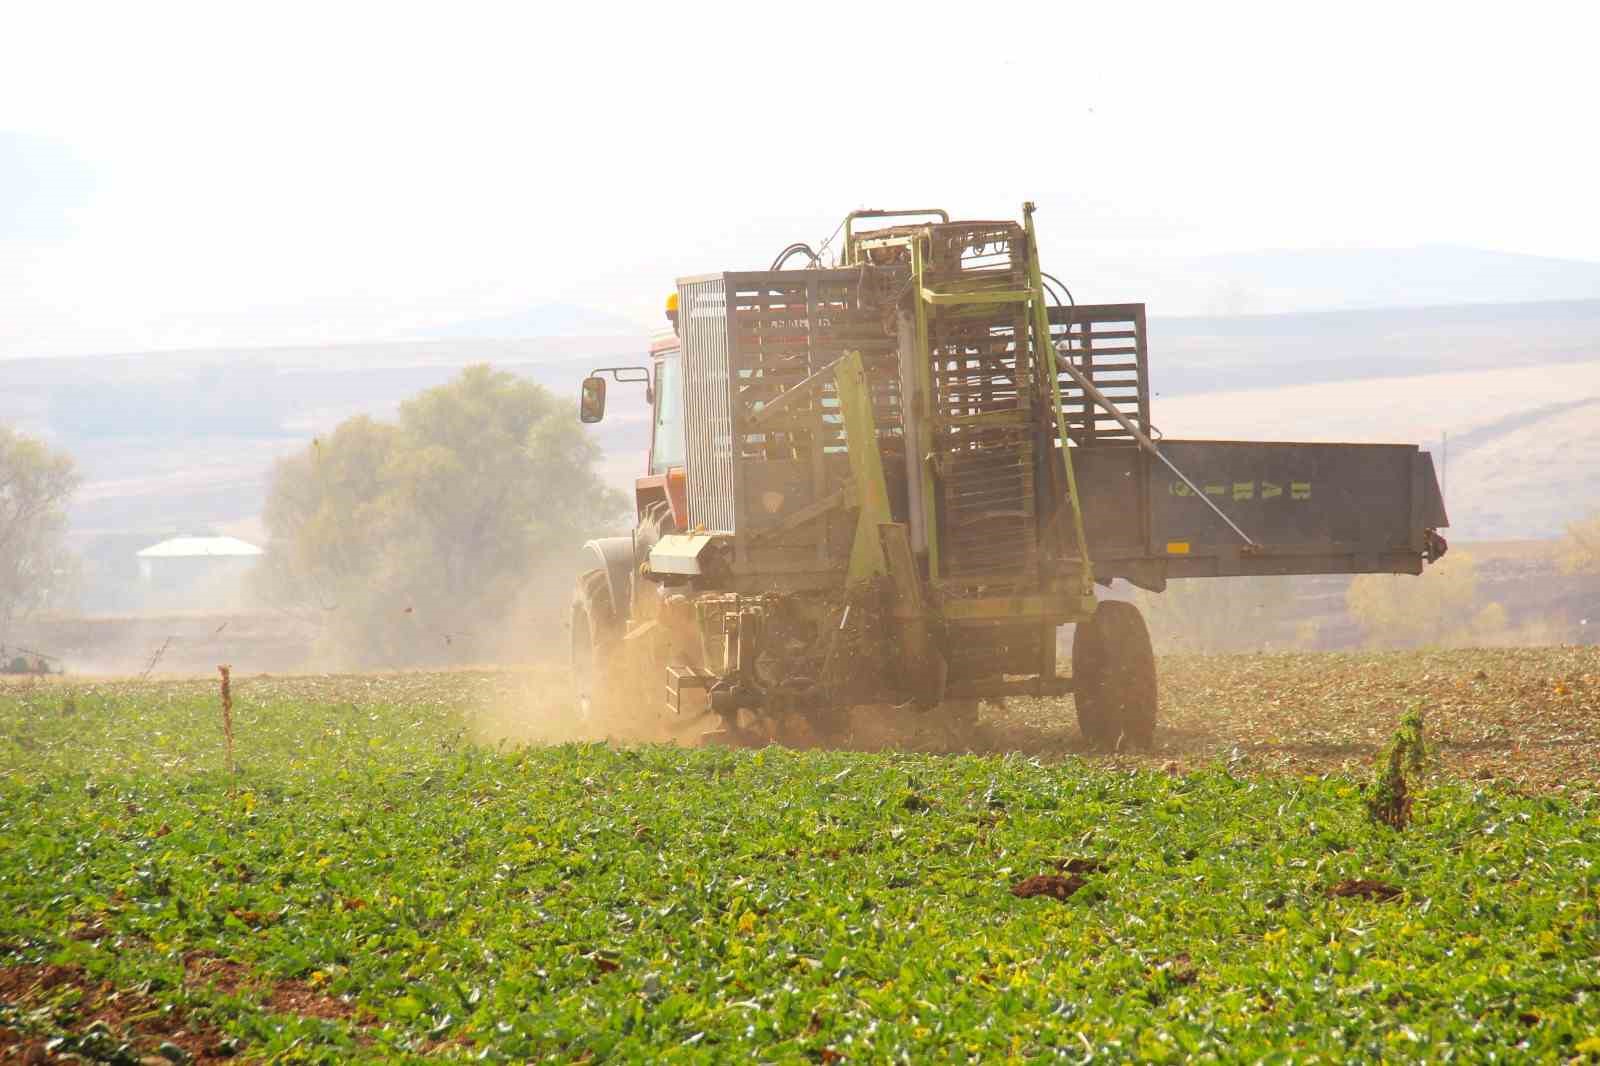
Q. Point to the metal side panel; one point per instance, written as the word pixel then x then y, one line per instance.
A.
pixel 1312 508
pixel 708 414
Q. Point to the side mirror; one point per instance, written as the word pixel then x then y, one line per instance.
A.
pixel 592 400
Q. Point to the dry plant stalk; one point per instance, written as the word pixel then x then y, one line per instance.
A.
pixel 1389 796
pixel 227 715
pixel 151 665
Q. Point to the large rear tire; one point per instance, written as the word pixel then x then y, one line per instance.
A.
pixel 1114 677
pixel 596 636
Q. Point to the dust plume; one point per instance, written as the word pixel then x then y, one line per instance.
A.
pixel 541 707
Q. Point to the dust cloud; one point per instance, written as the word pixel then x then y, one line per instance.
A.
pixel 540 708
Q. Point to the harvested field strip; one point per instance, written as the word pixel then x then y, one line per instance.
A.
pixel 1530 716
pixel 370 887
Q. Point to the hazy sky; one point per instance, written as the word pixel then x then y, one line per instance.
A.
pixel 177 174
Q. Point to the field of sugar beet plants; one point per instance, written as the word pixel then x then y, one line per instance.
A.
pixel 393 874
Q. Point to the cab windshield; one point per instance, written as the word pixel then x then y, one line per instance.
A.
pixel 667 444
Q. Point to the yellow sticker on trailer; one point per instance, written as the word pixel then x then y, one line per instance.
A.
pixel 1177 547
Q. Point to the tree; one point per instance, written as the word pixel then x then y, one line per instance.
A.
pixel 419 537
pixel 1440 607
pixel 324 515
pixel 1580 548
pixel 35 485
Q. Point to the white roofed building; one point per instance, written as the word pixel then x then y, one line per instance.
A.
pixel 195 562
pixel 200 547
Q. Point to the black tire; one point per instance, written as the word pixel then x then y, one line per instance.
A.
pixel 595 636
pixel 1114 677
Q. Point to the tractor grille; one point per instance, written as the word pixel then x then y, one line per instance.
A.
pixel 708 417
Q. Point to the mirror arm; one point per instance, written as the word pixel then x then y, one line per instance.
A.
pixel 640 374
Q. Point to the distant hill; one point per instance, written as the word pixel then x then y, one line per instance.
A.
pixel 549 320
pixel 1209 354
pixel 1405 277
pixel 1282 282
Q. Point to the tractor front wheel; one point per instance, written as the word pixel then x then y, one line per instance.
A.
pixel 596 636
pixel 1114 677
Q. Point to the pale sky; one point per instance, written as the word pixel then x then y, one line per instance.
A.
pixel 222 174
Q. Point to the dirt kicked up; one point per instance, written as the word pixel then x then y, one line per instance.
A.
pixel 384 880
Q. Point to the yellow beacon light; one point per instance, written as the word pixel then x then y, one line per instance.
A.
pixel 672 310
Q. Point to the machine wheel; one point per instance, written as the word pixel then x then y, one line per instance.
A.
pixel 1114 677
pixel 596 635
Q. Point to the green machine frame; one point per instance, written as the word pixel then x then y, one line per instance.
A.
pixel 915 455
pixel 985 276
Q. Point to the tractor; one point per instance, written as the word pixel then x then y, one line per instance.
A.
pixel 889 481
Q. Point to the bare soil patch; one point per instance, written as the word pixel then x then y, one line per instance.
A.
pixel 1364 888
pixel 1052 885
pixel 102 1018
pixel 282 996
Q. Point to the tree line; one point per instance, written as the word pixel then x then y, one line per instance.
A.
pixel 36 483
pixel 447 534
pixel 435 537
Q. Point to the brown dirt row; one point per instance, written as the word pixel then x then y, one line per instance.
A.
pixel 140 1021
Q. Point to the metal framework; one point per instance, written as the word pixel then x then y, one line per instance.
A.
pixel 922 454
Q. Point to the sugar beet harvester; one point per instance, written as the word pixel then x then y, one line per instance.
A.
pixel 890 482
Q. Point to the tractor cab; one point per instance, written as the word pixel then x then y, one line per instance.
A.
pixel 660 494
pixel 664 475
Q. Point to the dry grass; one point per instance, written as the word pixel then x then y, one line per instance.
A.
pixel 1530 716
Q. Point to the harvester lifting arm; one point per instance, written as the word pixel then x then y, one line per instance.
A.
pixel 798 389
pixel 1093 392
